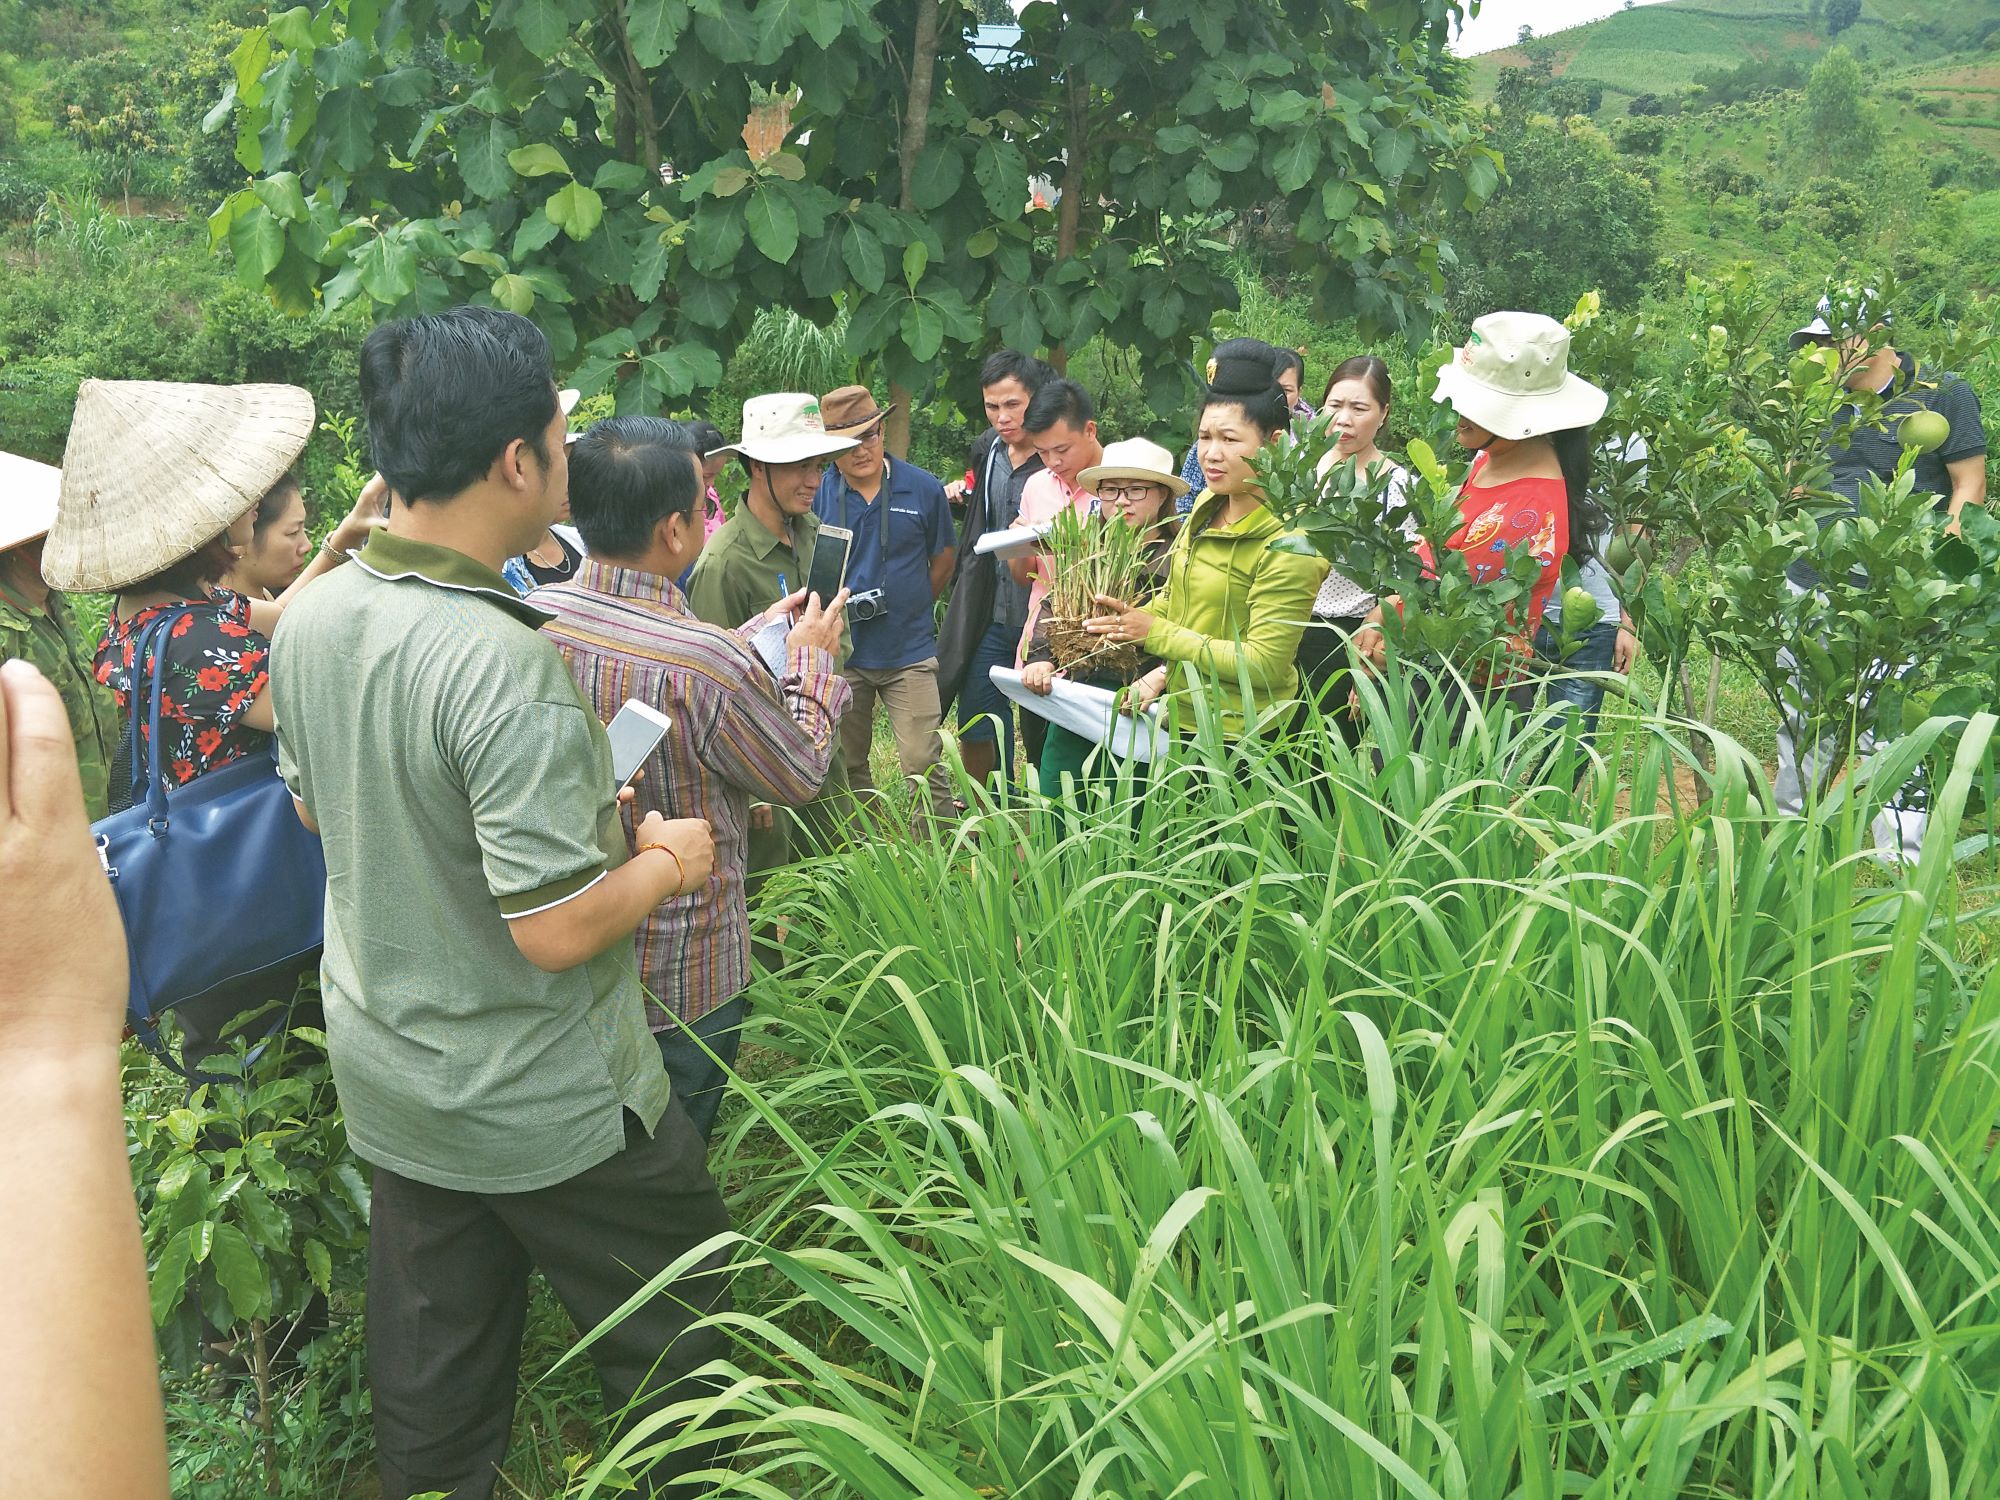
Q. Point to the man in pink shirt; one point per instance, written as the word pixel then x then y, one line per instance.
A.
pixel 1062 424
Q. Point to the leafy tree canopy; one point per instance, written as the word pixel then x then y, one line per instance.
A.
pixel 582 162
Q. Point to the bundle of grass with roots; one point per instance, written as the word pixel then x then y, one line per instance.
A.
pixel 1451 1125
pixel 1092 554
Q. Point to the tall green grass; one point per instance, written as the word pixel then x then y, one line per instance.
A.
pixel 1437 1130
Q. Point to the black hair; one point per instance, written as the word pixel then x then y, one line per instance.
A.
pixel 1011 364
pixel 193 576
pixel 1245 348
pixel 628 474
pixel 1365 367
pixel 1588 519
pixel 447 392
pixel 277 500
pixel 1249 381
pixel 1289 359
pixel 707 437
pixel 1060 400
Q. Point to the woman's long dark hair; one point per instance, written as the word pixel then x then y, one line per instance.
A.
pixel 1588 519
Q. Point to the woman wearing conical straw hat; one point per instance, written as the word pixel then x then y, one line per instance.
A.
pixel 160 488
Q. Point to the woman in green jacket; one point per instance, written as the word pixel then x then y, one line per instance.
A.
pixel 1231 606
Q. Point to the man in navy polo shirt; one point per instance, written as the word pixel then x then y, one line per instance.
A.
pixel 905 546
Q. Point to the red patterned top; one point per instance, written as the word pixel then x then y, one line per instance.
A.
pixel 216 665
pixel 1534 512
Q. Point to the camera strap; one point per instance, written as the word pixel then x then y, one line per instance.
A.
pixel 882 520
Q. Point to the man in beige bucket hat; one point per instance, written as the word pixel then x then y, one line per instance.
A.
pixel 761 554
pixel 36 624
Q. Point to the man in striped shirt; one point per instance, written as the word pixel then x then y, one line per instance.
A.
pixel 743 730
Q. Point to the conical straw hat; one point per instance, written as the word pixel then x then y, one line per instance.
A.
pixel 155 470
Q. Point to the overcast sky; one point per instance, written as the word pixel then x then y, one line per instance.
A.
pixel 1499 21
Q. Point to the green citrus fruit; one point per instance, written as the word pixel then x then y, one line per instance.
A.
pixel 1625 550
pixel 1580 609
pixel 1925 431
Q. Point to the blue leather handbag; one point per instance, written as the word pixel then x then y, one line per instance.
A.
pixel 216 880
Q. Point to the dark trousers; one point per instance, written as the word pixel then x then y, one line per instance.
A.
pixel 698 1078
pixel 448 1298
pixel 1326 674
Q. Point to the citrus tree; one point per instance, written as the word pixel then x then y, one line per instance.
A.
pixel 583 162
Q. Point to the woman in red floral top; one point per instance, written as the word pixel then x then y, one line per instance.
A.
pixel 214 705
pixel 1527 420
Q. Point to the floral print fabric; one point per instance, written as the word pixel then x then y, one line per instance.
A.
pixel 215 666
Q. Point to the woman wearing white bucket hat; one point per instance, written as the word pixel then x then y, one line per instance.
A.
pixel 1528 420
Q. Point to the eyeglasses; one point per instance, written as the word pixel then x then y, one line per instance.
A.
pixel 1116 492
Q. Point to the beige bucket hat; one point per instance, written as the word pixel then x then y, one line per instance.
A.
pixel 27 499
pixel 1135 458
pixel 1512 378
pixel 154 470
pixel 786 429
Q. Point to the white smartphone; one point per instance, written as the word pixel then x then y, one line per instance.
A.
pixel 635 733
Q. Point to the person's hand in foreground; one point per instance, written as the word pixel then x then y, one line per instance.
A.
pixel 690 840
pixel 1626 652
pixel 1118 621
pixel 1039 677
pixel 79 1379
pixel 819 626
pixel 1146 691
pixel 1369 643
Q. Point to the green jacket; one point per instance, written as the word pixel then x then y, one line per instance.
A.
pixel 47 637
pixel 1235 608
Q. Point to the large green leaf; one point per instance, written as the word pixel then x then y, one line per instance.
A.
pixel 537 231
pixel 482 145
pixel 319 1266
pixel 346 128
pixel 684 368
pixel 923 329
pixel 537 159
pixel 280 193
pixel 649 267
pixel 773 223
pixel 387 268
pixel 257 240
pixel 727 29
pixel 542 25
pixel 936 176
pixel 1232 153
pixel 862 250
pixel 514 293
pixel 169 1277
pixel 1003 178
pixel 706 300
pixel 342 66
pixel 1392 153
pixel 576 210
pixel 653 27
pixel 240 1273
pixel 292 29
pixel 1295 161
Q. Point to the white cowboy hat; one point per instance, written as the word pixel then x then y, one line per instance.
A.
pixel 1135 458
pixel 786 429
pixel 567 398
pixel 1512 378
pixel 27 499
pixel 156 470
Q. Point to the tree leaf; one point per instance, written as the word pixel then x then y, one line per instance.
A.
pixel 923 330
pixel 983 244
pixel 1203 186
pixel 649 268
pixel 684 368
pixel 730 181
pixel 1296 160
pixel 542 25
pixel 862 250
pixel 536 231
pixel 342 66
pixel 537 160
pixel 345 128
pixel 514 293
pixel 240 1273
pixel 916 257
pixel 280 193
pixel 1232 153
pixel 576 210
pixel 653 26
pixel 319 1266
pixel 620 177
pixel 727 29
pixel 482 146
pixel 292 29
pixel 773 224
pixel 169 1277
pixel 936 176
pixel 787 165
pixel 265 1222
pixel 251 57
pixel 402 87
pixel 1003 178
pixel 1177 140
pixel 388 269
pixel 258 242
pixel 707 301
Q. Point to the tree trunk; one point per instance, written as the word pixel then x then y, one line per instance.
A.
pixel 916 131
pixel 1069 212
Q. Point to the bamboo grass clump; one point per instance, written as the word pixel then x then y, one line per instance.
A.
pixel 1092 554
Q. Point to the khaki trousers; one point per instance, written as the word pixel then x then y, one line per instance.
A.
pixel 909 695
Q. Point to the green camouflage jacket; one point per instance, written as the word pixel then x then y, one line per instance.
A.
pixel 47 637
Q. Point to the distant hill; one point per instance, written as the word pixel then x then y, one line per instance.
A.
pixel 1658 49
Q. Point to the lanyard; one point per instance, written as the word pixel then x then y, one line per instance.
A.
pixel 882 528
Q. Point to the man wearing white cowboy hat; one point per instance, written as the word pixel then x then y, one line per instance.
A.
pixel 36 624
pixel 761 554
pixel 905 549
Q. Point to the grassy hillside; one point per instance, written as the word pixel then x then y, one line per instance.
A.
pixel 1658 49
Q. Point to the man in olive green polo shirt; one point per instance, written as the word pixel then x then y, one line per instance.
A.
pixel 36 623
pixel 759 555
pixel 483 1012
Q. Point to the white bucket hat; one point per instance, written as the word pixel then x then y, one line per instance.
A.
pixel 1868 314
pixel 155 470
pixel 786 429
pixel 1135 458
pixel 27 499
pixel 1512 378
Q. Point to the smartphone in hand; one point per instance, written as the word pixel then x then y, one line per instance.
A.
pixel 635 733
pixel 828 572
